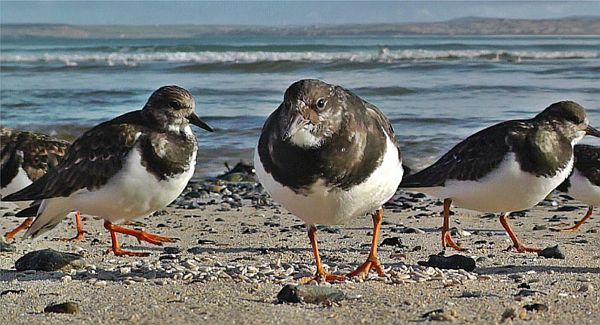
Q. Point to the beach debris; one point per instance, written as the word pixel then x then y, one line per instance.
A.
pixel 68 307
pixel 540 227
pixel 441 315
pixel 49 260
pixel 454 262
pixel 552 252
pixel 311 294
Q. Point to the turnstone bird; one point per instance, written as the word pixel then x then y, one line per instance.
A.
pixel 328 156
pixel 507 167
pixel 122 169
pixel 584 182
pixel 25 157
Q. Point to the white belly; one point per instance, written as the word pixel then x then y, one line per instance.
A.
pixel 504 190
pixel 19 182
pixel 132 193
pixel 322 205
pixel 583 190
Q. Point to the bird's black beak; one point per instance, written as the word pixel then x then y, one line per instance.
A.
pixel 194 119
pixel 591 131
pixel 295 123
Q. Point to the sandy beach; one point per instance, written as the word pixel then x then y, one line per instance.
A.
pixel 237 250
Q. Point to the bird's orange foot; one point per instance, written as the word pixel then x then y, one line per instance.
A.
pixel 570 229
pixel 363 270
pixel 79 237
pixel 447 241
pixel 524 249
pixel 9 236
pixel 120 252
pixel 323 277
pixel 154 239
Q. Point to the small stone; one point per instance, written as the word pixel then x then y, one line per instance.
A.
pixel 6 247
pixel 586 288
pixel 100 283
pixel 540 227
pixel 454 262
pixel 49 260
pixel 512 313
pixel 552 252
pixel 309 294
pixel 411 230
pixel 536 307
pixel 392 241
pixel 441 315
pixel 172 250
pixel 470 294
pixel 63 308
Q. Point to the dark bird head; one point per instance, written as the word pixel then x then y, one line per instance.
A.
pixel 312 111
pixel 173 108
pixel 571 118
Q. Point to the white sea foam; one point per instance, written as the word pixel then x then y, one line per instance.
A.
pixel 384 55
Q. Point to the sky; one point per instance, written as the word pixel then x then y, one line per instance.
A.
pixel 279 13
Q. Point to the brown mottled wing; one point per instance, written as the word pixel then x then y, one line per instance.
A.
pixel 33 152
pixel 40 153
pixel 472 158
pixel 383 121
pixel 92 159
pixel 587 161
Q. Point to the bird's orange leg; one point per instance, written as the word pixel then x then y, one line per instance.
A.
pixel 11 234
pixel 372 261
pixel 446 238
pixel 516 242
pixel 80 230
pixel 321 275
pixel 140 235
pixel 576 227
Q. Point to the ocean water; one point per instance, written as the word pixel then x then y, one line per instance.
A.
pixel 436 90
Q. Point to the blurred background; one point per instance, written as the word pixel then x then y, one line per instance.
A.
pixel 439 70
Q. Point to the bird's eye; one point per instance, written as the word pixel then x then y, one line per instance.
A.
pixel 321 103
pixel 175 104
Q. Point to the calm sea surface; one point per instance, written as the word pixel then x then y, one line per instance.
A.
pixel 435 90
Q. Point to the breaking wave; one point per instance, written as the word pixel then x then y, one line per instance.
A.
pixel 383 55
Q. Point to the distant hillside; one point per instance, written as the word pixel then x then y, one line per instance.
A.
pixel 588 25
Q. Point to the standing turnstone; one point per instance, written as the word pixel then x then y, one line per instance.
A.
pixel 27 156
pixel 507 167
pixel 584 182
pixel 122 169
pixel 328 156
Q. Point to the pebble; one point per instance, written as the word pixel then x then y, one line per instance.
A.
pixel 63 308
pixel 536 307
pixel 392 241
pixel 6 247
pixel 441 315
pixel 454 262
pixel 586 288
pixel 552 252
pixel 49 260
pixel 100 283
pixel 309 294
